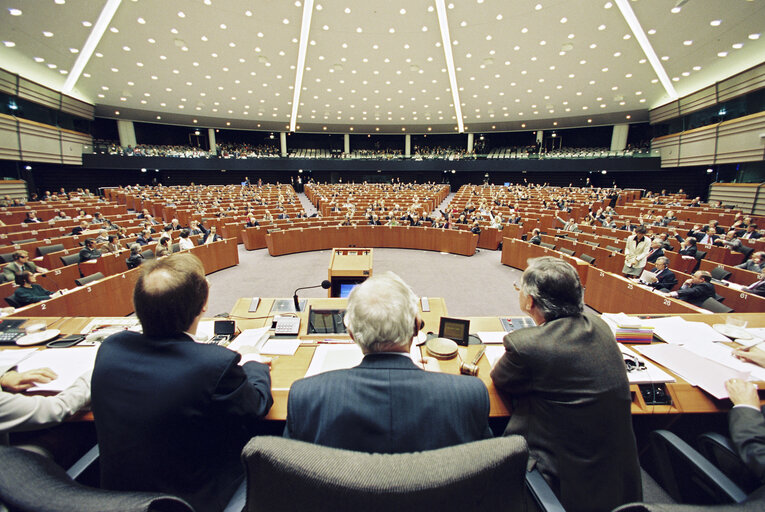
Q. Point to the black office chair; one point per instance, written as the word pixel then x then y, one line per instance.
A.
pixel 586 257
pixel 70 259
pixel 715 306
pixel 47 249
pixel 687 476
pixel 612 248
pixel 6 258
pixel 25 241
pixel 547 246
pixel 30 482
pixel 175 248
pixel 566 251
pixel 88 279
pixel 720 451
pixel 289 475
pixel 720 273
pixel 13 301
pixel 147 254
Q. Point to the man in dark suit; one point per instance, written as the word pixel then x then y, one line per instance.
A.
pixel 89 252
pixel 387 404
pixel 656 251
pixel 746 420
pixel 750 232
pixel 697 289
pixel 173 415
pixel 665 278
pixel 757 287
pixel 570 395
pixel 536 237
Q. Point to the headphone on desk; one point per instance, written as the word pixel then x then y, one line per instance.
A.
pixel 632 363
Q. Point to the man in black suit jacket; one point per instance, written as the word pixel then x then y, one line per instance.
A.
pixel 656 251
pixel 387 404
pixel 665 278
pixel 757 287
pixel 697 289
pixel 570 395
pixel 173 415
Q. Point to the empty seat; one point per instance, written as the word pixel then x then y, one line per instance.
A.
pixel 612 248
pixel 12 302
pixel 47 249
pixel 25 241
pixel 720 273
pixel 88 279
pixel 547 246
pixel 147 254
pixel 566 251
pixel 70 259
pixel 715 306
pixel 586 257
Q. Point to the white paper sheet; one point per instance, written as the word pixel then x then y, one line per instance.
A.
pixel 652 373
pixel 280 347
pixel 696 370
pixel 678 331
pixel 10 358
pixel 488 337
pixel 723 354
pixel 334 357
pixel 68 363
pixel 493 353
pixel 102 323
pixel 205 331
pixel 249 340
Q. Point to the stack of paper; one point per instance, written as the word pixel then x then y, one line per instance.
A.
pixel 628 329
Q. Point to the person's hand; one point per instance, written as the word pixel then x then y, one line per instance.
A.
pixel 742 392
pixel 15 382
pixel 751 355
pixel 41 270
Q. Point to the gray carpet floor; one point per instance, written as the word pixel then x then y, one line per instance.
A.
pixel 477 285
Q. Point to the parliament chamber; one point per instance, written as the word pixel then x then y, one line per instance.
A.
pixel 441 136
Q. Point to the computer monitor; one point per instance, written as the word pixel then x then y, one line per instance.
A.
pixel 345 289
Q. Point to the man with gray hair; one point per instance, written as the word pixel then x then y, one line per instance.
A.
pixel 570 396
pixel 387 404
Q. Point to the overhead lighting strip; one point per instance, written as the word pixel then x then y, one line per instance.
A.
pixel 447 43
pixel 305 29
pixel 107 13
pixel 637 30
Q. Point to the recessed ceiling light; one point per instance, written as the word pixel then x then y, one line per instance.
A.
pixel 126 48
pixel 675 10
pixel 39 59
pixel 715 23
pixel 9 44
pixel 87 24
pixel 116 112
pixel 358 30
pixel 52 66
pixel 601 27
pixel 114 30
pixel 563 20
pixel 617 54
pixel 46 33
pixel 286 21
pixel 754 37
pixel 115 70
pixel 688 42
pixel 524 30
pixel 15 12
pixel 652 31
pixel 608 5
pixel 697 68
pixel 248 13
pixel 223 26
pixel 626 36
pixel 737 46
pixel 665 58
pixel 181 14
pixel 538 7
pixel 141 21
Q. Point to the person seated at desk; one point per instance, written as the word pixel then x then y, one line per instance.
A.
pixel 656 251
pixel 687 245
pixel 31 217
pixel 184 242
pixel 144 238
pixel 697 289
pixel 113 244
pixel 731 241
pixel 757 287
pixel 382 404
pixel 135 258
pixel 475 228
pixel 252 222
pixel 750 232
pixel 173 415
pixel 211 236
pixel 569 392
pixel 746 420
pixel 29 292
pixel 665 278
pixel 755 264
pixel 163 247
pixel 20 414
pixel 103 237
pixel 60 215
pixel 89 252
pixel 536 237
pixel 20 264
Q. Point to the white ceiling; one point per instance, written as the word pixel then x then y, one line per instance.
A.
pixel 381 66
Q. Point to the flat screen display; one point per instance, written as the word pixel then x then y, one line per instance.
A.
pixel 345 289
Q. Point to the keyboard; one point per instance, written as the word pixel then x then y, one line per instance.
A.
pixel 289 325
pixel 9 337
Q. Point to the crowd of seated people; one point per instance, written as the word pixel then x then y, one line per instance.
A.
pixel 244 151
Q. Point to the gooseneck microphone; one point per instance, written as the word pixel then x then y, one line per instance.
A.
pixel 324 284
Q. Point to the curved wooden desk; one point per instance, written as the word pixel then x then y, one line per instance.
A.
pixel 319 238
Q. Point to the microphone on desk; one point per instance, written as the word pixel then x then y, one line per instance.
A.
pixel 324 284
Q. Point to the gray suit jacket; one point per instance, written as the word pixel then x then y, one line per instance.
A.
pixel 571 401
pixel 388 405
pixel 747 430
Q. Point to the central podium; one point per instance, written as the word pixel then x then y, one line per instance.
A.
pixel 347 268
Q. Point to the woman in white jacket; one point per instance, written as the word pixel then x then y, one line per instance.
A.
pixel 636 252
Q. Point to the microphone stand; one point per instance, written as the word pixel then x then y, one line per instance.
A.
pixel 324 284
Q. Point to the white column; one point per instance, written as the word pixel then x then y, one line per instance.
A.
pixel 407 145
pixel 211 138
pixel 126 132
pixel 470 143
pixel 346 143
pixel 283 142
pixel 619 137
